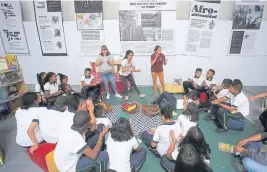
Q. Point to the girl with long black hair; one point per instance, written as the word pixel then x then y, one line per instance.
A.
pixel 51 90
pixel 39 87
pixel 194 137
pixel 131 155
pixel 127 67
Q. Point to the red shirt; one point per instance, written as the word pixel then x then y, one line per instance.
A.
pixel 158 65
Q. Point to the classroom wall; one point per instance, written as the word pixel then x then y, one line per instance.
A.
pixel 251 70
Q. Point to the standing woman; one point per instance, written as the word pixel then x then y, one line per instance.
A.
pixel 39 87
pixel 157 61
pixel 105 62
pixel 127 66
pixel 51 87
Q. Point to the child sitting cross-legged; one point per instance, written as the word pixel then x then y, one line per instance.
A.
pixel 160 141
pixel 223 91
pixel 125 153
pixel 190 116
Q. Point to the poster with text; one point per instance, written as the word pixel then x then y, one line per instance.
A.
pixel 91 42
pixel 50 27
pixel 246 25
pixel 12 30
pixel 202 23
pixel 145 24
pixel 89 14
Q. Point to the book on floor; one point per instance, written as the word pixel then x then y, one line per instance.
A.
pixel 225 147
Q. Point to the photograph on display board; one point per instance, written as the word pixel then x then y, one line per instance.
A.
pixel 247 16
pixel 89 15
pixel 50 27
pixel 143 26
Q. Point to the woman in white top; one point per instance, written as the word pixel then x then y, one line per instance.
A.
pixel 39 88
pixel 127 67
pixel 194 137
pixel 125 153
pixel 106 62
pixel 51 88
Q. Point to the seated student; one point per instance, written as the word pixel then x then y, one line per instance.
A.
pixel 48 121
pixel 90 88
pixel 254 156
pixel 223 91
pixel 61 104
pixel 25 116
pixel 72 152
pixel 39 87
pixel 189 160
pixel 160 141
pixel 127 67
pixel 193 137
pixel 263 115
pixel 195 83
pixel 164 99
pixel 209 83
pixel 64 86
pixel 51 88
pixel 231 116
pixel 190 116
pixel 131 155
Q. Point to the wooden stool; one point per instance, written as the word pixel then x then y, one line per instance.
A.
pixel 50 162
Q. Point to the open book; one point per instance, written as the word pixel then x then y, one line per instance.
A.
pixel 225 147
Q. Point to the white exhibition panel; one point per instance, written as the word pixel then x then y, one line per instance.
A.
pixel 251 70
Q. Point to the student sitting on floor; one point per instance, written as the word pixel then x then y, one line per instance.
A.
pixel 263 115
pixel 72 152
pixel 160 141
pixel 190 116
pixel 189 160
pixel 222 92
pixel 51 88
pixel 131 155
pixel 195 83
pixel 231 116
pixel 39 87
pixel 194 137
pixel 90 87
pixel 64 86
pixel 209 82
pixel 25 115
pixel 254 156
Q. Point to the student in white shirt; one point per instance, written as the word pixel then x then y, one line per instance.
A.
pixel 131 155
pixel 193 137
pixel 195 83
pixel 51 88
pixel 127 67
pixel 190 116
pixel 72 153
pixel 25 115
pixel 160 141
pixel 105 62
pixel 232 116
pixel 39 87
pixel 90 87
pixel 209 82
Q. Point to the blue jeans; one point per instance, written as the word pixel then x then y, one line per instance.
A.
pixel 137 160
pixel 167 164
pixel 86 164
pixel 108 77
pixel 250 164
pixel 147 139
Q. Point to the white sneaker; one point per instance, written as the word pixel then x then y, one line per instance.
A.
pixel 108 96
pixel 142 96
pixel 118 96
pixel 126 98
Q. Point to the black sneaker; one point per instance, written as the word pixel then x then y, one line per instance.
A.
pixel 238 166
pixel 220 130
pixel 154 102
pixel 209 118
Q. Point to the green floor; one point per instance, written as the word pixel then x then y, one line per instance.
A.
pixel 220 161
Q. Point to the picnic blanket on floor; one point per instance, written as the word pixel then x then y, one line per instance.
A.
pixel 139 120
